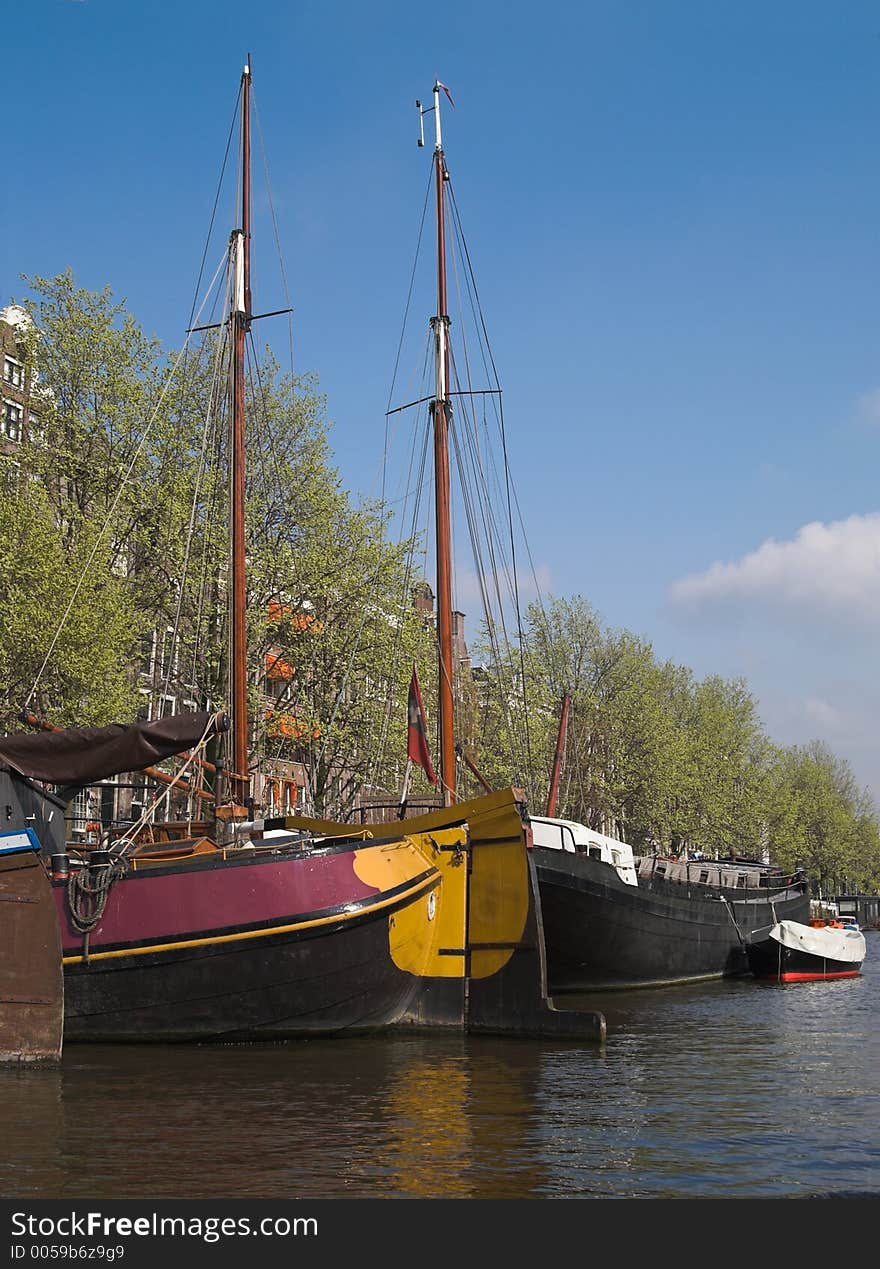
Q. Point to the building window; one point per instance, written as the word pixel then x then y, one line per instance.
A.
pixel 168 657
pixel 12 416
pixel 13 372
pixel 147 653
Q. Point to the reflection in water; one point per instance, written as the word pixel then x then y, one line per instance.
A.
pixel 726 1089
pixel 433 1130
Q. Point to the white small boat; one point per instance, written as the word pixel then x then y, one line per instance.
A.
pixel 790 952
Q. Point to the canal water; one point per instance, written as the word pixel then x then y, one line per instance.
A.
pixel 724 1090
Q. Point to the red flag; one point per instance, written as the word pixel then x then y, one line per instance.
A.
pixel 448 93
pixel 417 736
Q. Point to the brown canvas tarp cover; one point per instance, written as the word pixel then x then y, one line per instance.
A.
pixel 81 755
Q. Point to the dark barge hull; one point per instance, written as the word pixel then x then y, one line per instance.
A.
pixel 602 934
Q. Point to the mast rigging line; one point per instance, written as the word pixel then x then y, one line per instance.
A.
pixel 259 398
pixel 470 274
pixel 200 471
pixel 487 505
pixel 381 747
pixel 503 432
pixel 379 758
pixel 406 308
pixel 217 194
pixel 215 441
pixel 271 201
pixel 410 291
pixel 271 466
pixel 254 317
pixel 169 379
pixel 122 844
pixel 471 518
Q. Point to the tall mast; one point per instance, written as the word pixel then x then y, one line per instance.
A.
pixel 241 318
pixel 441 410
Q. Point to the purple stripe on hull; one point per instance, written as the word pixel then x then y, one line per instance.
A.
pixel 144 907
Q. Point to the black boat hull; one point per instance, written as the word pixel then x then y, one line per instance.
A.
pixel 772 960
pixel 602 934
pixel 340 978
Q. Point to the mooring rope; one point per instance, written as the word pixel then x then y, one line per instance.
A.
pixel 87 891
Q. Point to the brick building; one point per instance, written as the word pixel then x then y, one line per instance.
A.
pixel 18 418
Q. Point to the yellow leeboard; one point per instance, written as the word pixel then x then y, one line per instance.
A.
pixel 489 905
pixel 499 885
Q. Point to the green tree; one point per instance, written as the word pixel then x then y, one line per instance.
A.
pixel 86 679
pixel 819 818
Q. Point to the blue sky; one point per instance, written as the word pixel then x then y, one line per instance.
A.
pixel 672 211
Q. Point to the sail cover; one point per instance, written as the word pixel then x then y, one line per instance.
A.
pixel 81 755
pixel 823 941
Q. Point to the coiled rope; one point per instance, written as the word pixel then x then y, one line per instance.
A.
pixel 87 891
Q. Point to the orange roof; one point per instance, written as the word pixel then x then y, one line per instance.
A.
pixel 276 668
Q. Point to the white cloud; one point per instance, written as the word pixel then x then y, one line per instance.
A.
pixel 868 407
pixel 823 713
pixel 831 567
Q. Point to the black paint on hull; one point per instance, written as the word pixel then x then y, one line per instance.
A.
pixel 601 933
pixel 769 959
pixel 322 981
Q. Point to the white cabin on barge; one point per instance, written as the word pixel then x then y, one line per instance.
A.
pixel 576 838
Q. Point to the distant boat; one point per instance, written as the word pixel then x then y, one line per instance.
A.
pixel 613 920
pixel 790 952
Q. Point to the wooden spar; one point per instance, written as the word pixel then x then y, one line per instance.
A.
pixel 441 408
pixel 241 316
pixel 472 767
pixel 557 757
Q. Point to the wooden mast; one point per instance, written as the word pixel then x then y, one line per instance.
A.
pixel 241 317
pixel 557 757
pixel 441 409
